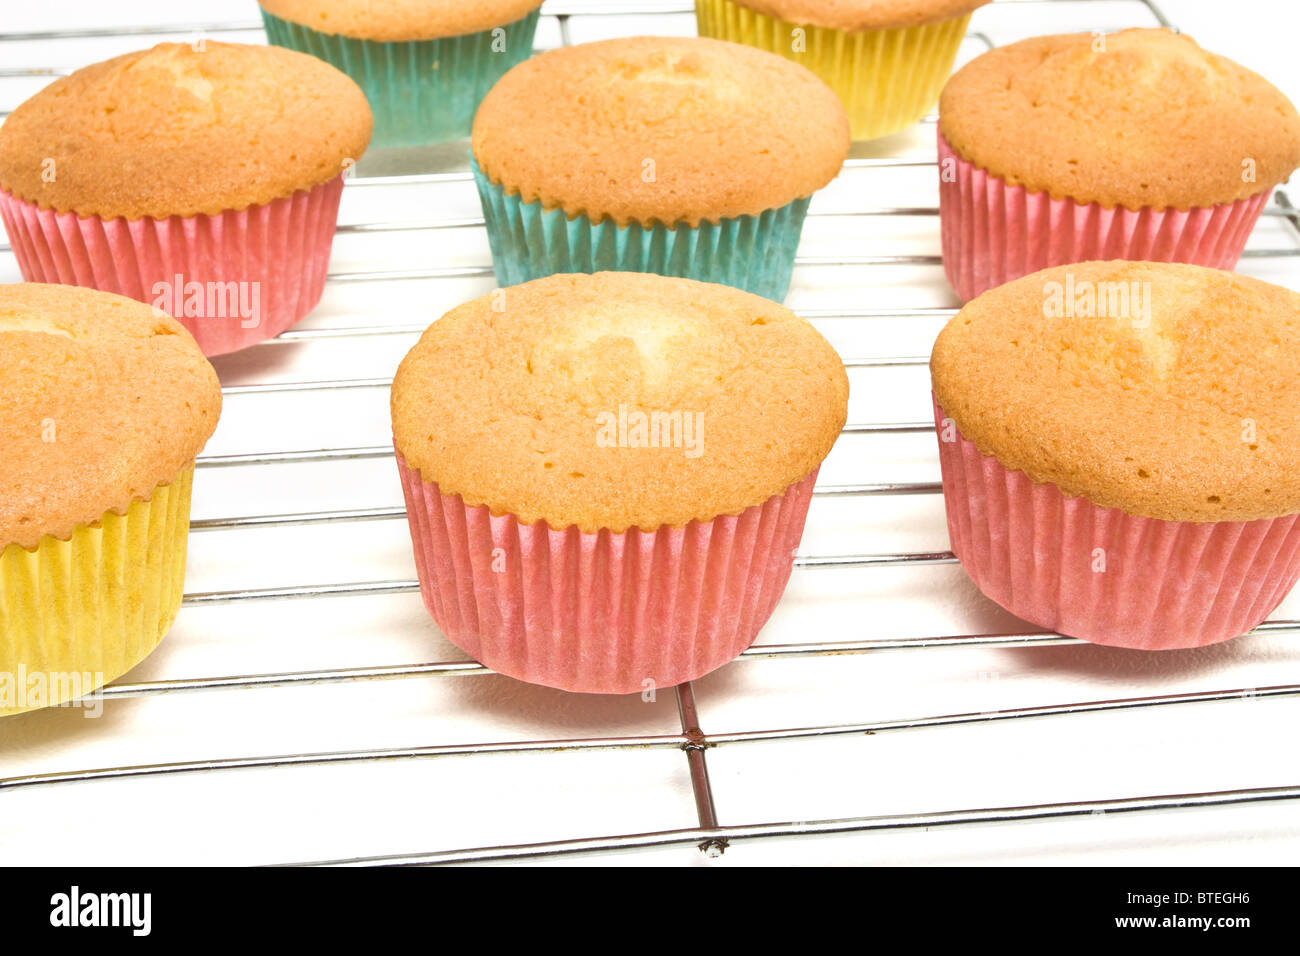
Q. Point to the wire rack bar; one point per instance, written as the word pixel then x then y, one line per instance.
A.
pixel 696 745
pixel 385 514
pixel 329 385
pixel 485 271
pixel 124 691
pixel 297 520
pixel 804 261
pixel 337 757
pixel 691 736
pixel 840 827
pixel 121 690
pixel 1282 209
pixel 354 589
pixel 299 336
pixel 362 452
pixel 295 457
pixel 393 513
pixel 369 588
pixel 365 588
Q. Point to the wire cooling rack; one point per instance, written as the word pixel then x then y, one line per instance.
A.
pixel 365 737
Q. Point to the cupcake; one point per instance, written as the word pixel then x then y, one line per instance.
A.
pixel 887 59
pixel 104 404
pixel 202 179
pixel 424 64
pixel 1136 145
pixel 607 475
pixel 1118 449
pixel 684 157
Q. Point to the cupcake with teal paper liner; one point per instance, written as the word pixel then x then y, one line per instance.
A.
pixel 424 64
pixel 684 157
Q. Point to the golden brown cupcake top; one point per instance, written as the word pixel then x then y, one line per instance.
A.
pixel 1138 118
pixel 102 399
pixel 399 20
pixel 183 129
pixel 618 400
pixel 857 15
pixel 1166 390
pixel 664 129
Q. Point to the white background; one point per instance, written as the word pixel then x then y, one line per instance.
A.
pixel 450 803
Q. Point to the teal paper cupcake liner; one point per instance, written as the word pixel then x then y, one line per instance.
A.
pixel 420 91
pixel 754 253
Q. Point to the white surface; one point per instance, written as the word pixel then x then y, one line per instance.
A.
pixel 301 814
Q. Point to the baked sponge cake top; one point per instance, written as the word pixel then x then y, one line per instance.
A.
pixel 102 399
pixel 660 129
pixel 858 15
pixel 392 21
pixel 183 129
pixel 1143 117
pixel 1166 390
pixel 618 400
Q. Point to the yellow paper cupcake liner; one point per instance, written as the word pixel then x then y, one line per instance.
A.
pixel 887 79
pixel 76 614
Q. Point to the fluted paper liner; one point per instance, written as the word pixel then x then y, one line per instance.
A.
pixel 1104 575
pixel 993 232
pixel 887 79
pixel 529 241
pixel 79 613
pixel 283 246
pixel 420 91
pixel 601 613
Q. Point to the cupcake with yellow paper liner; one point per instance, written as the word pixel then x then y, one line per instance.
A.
pixel 679 156
pixel 104 405
pixel 424 64
pixel 1133 145
pixel 606 475
pixel 203 179
pixel 1119 453
pixel 886 59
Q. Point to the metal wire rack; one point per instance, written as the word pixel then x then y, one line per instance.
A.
pixel 28 741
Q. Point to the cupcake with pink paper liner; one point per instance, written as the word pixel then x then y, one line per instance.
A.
pixel 606 475
pixel 1075 147
pixel 1118 447
pixel 203 179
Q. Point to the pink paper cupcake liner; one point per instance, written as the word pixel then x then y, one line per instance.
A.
pixel 277 253
pixel 993 232
pixel 601 613
pixel 1101 574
